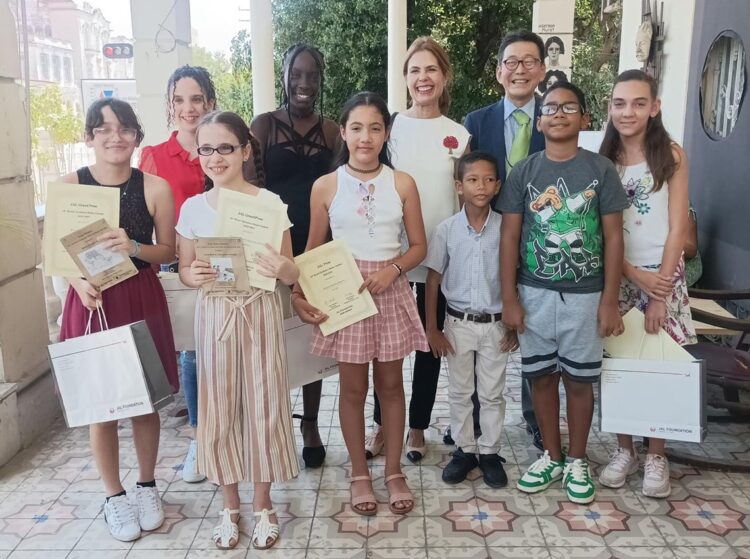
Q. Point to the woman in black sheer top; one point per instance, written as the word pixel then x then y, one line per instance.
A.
pixel 297 145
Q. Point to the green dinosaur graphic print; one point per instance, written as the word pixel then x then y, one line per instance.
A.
pixel 564 243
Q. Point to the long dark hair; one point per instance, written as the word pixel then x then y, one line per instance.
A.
pixel 234 123
pixel 363 99
pixel 201 77
pixel 658 144
pixel 288 58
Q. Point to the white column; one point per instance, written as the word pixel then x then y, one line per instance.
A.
pixel 261 40
pixel 396 55
pixel 158 52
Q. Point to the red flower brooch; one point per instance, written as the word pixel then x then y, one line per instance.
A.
pixel 451 143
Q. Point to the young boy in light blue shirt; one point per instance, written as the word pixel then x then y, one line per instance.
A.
pixel 464 260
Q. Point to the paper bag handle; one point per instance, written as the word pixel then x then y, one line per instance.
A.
pixel 643 339
pixel 102 318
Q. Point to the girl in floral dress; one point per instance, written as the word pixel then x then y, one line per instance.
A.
pixel 654 172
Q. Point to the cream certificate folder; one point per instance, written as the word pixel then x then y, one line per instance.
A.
pixel 102 267
pixel 331 280
pixel 70 207
pixel 256 220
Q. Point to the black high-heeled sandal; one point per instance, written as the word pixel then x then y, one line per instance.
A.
pixel 313 456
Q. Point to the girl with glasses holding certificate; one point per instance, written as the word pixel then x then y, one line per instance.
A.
pixel 244 412
pixel 146 208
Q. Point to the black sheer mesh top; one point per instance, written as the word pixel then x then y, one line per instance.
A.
pixel 134 216
pixel 292 163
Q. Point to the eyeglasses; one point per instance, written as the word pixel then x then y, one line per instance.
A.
pixel 222 149
pixel 528 63
pixel 571 108
pixel 127 134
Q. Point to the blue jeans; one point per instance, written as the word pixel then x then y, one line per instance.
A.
pixel 190 385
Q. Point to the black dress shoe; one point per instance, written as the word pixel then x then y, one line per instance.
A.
pixel 459 466
pixel 447 439
pixel 313 456
pixel 492 468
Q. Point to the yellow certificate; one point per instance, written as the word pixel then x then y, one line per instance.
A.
pixel 71 207
pixel 331 280
pixel 258 221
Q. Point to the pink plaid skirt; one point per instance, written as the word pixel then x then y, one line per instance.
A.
pixel 392 334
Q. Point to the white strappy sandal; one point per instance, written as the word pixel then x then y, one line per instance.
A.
pixel 227 534
pixel 265 534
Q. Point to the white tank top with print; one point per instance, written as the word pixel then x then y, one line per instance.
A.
pixel 368 215
pixel 646 221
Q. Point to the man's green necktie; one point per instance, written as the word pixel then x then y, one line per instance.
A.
pixel 520 147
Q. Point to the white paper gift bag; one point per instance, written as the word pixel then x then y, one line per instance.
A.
pixel 181 303
pixel 304 367
pixel 109 375
pixel 651 387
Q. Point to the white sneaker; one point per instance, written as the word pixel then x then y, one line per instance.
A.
pixel 150 511
pixel 122 519
pixel 621 464
pixel 656 476
pixel 190 466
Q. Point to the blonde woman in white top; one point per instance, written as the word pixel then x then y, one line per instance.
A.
pixel 425 144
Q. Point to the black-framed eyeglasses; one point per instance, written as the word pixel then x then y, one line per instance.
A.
pixel 529 63
pixel 570 108
pixel 222 149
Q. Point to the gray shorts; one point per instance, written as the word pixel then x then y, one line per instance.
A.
pixel 561 334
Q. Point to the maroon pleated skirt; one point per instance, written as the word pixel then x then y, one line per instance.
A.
pixel 138 298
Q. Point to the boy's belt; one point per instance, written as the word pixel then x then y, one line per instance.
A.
pixel 478 317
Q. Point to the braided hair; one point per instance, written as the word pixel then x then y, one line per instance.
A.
pixel 234 123
pixel 288 58
pixel 201 77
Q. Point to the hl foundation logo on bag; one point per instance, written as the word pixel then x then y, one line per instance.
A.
pixel 128 406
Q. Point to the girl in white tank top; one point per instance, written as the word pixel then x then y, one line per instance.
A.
pixel 367 204
pixel 654 174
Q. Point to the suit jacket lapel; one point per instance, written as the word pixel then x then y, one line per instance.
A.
pixel 497 135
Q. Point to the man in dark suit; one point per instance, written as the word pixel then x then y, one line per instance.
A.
pixel 507 130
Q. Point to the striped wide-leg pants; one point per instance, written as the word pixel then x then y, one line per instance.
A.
pixel 244 412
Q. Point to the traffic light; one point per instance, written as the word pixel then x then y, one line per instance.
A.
pixel 118 50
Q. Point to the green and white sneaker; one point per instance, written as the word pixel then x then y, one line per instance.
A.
pixel 577 482
pixel 541 474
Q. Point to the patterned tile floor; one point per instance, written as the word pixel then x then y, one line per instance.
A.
pixel 50 504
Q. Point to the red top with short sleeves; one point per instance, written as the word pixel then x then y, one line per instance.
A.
pixel 170 161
